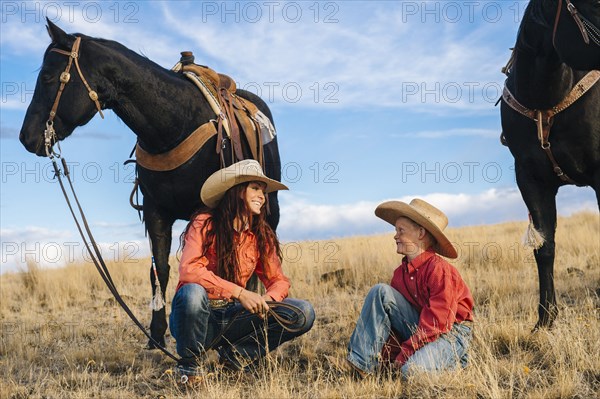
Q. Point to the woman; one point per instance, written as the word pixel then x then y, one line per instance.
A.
pixel 223 245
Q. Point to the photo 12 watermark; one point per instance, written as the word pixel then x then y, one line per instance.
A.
pixel 450 92
pixel 313 253
pixel 54 253
pixel 294 92
pixel 461 12
pixel 252 12
pixel 70 11
pixel 90 172
pixel 16 95
pixel 453 172
pixel 325 172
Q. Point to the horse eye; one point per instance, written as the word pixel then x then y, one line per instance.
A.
pixel 48 78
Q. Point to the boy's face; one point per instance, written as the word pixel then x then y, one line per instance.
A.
pixel 409 237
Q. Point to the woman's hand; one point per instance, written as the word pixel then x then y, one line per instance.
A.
pixel 253 303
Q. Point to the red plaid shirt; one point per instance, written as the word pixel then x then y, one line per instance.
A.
pixel 436 289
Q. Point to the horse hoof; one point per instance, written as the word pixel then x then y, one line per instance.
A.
pixel 152 344
pixel 542 325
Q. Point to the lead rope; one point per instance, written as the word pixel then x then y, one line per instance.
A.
pixel 49 139
pixel 98 261
pixel 105 274
pixel 97 258
pixel 284 323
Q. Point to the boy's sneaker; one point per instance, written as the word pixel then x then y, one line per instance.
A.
pixel 345 366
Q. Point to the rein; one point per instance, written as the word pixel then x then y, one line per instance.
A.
pixel 49 141
pixel 96 256
pixel 98 261
pixel 65 77
pixel 586 27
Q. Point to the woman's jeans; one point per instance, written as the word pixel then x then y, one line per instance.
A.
pixel 195 325
pixel 385 309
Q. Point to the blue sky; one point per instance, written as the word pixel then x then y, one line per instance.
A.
pixel 372 100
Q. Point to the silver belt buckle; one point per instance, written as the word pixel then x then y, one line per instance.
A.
pixel 218 303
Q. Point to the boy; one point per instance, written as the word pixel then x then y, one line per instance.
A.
pixel 423 319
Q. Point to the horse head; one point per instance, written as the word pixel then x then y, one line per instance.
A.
pixel 576 33
pixel 63 98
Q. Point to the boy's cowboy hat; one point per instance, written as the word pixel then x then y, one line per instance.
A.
pixel 426 215
pixel 241 172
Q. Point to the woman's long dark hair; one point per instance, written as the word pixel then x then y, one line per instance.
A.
pixel 219 231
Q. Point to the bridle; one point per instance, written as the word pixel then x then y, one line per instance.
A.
pixel 65 77
pixel 586 27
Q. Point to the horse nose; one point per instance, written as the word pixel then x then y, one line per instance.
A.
pixel 23 138
pixel 31 142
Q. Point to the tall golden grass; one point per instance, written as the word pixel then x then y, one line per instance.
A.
pixel 64 337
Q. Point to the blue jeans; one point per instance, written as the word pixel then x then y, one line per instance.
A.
pixel 194 325
pixel 384 310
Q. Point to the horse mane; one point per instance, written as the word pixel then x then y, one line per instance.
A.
pixel 534 17
pixel 120 48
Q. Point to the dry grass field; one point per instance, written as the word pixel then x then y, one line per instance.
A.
pixel 63 336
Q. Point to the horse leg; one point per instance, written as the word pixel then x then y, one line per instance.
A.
pixel 159 229
pixel 273 170
pixel 596 186
pixel 541 203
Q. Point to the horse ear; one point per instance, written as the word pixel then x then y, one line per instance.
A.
pixel 58 35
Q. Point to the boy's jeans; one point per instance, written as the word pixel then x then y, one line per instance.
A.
pixel 385 309
pixel 195 325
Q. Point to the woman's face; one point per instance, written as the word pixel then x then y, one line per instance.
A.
pixel 255 196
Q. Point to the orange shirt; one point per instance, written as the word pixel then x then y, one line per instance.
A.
pixel 195 268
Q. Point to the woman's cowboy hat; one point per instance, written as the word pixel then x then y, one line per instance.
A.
pixel 426 215
pixel 241 172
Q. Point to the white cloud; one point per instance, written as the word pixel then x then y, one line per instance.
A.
pixel 457 132
pixel 51 249
pixel 374 58
pixel 369 56
pixel 21 39
pixel 302 219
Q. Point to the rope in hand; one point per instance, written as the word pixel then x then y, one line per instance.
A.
pixel 98 261
pixel 105 274
pixel 284 323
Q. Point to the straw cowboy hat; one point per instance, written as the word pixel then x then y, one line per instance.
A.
pixel 241 172
pixel 426 215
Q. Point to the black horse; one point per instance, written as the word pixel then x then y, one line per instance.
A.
pixel 576 32
pixel 540 80
pixel 161 107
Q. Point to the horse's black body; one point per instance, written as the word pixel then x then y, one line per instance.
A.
pixel 162 108
pixel 569 42
pixel 539 80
